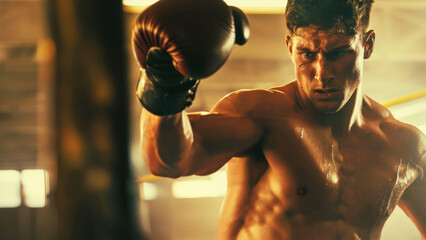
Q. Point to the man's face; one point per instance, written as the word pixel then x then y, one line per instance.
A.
pixel 328 65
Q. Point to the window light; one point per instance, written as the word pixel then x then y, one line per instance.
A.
pixel 34 187
pixel 201 188
pixel 148 191
pixel 10 189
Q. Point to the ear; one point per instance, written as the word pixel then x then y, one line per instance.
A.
pixel 369 40
pixel 289 44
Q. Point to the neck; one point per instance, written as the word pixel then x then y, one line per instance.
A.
pixel 350 116
pixel 342 121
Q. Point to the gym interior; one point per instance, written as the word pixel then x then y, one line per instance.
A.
pixel 70 164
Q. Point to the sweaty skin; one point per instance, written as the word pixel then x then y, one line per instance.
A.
pixel 313 159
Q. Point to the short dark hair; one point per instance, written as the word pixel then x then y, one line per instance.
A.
pixel 347 16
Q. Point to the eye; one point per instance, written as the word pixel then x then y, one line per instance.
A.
pixel 340 53
pixel 309 55
pixel 337 54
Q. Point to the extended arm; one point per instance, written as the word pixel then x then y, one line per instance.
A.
pixel 176 43
pixel 199 143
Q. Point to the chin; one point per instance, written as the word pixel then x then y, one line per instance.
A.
pixel 328 107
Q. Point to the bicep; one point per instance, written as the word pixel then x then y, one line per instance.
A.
pixel 222 133
pixel 413 204
pixel 414 198
pixel 228 130
pixel 218 137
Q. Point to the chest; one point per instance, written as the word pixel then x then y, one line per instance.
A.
pixel 358 178
pixel 302 146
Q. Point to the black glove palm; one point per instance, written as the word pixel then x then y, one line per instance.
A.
pixel 167 91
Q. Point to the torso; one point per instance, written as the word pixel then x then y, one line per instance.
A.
pixel 304 182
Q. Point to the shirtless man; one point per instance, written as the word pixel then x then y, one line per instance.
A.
pixel 313 159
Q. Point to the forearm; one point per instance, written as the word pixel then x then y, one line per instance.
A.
pixel 174 53
pixel 166 143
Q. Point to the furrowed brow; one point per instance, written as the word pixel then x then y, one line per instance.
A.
pixel 340 48
pixel 304 49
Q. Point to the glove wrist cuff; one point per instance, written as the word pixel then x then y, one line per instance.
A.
pixel 161 100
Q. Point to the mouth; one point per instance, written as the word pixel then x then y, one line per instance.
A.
pixel 326 93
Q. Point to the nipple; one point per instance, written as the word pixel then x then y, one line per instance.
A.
pixel 301 191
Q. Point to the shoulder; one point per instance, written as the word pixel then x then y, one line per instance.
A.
pixel 407 136
pixel 409 140
pixel 413 143
pixel 254 101
pixel 373 109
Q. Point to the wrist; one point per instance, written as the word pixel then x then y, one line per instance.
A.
pixel 165 100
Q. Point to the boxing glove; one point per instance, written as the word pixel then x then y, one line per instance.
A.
pixel 178 42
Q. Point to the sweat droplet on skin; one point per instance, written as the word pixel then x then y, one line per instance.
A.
pixel 333 176
pixel 332 157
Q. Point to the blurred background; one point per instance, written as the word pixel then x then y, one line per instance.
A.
pixel 185 208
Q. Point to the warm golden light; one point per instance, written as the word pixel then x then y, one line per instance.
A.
pixel 423 128
pixel 148 191
pixel 34 187
pixel 201 188
pixel 10 186
pixel 248 6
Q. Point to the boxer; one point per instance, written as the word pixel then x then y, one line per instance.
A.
pixel 312 159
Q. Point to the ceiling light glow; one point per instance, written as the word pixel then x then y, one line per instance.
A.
pixel 248 6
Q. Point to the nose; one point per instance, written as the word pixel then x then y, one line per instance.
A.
pixel 323 70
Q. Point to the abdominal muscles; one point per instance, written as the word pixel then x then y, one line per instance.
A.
pixel 273 215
